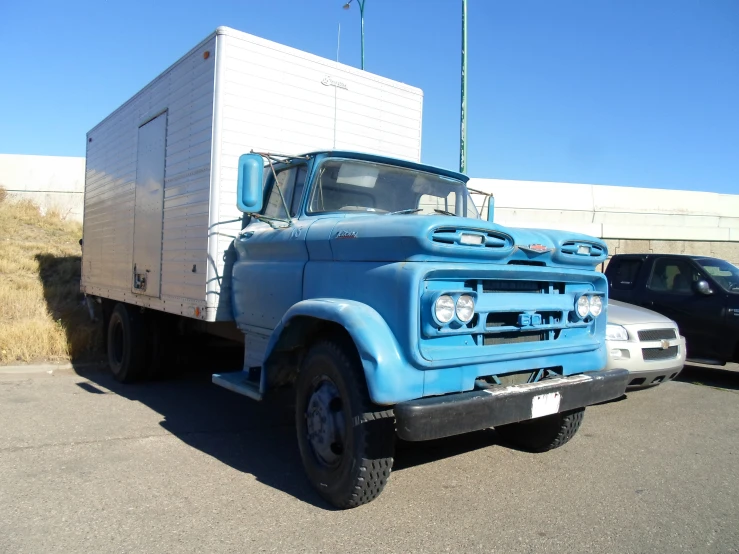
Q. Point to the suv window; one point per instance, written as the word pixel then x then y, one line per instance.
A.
pixel 292 182
pixel 674 276
pixel 623 273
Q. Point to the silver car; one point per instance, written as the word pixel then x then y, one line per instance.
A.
pixel 646 343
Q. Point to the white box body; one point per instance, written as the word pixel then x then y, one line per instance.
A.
pixel 231 94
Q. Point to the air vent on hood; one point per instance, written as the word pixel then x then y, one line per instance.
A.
pixel 474 238
pixel 579 248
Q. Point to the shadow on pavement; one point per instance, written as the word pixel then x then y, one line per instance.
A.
pixel 710 376
pixel 257 438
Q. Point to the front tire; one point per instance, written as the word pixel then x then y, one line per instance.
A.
pixel 544 433
pixel 346 442
pixel 126 344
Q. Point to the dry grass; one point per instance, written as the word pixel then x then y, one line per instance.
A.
pixel 42 315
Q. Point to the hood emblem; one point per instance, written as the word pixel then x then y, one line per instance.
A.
pixel 665 344
pixel 536 248
pixel 346 235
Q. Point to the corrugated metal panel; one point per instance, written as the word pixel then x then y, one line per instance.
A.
pixel 185 90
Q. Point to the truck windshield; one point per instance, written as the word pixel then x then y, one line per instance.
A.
pixel 357 186
pixel 725 274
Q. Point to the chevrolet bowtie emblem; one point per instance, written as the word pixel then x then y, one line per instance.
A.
pixel 536 248
pixel 665 344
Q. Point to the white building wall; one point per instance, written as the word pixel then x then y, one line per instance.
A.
pixel 51 182
pixel 631 219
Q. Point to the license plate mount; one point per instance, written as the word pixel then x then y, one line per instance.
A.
pixel 545 404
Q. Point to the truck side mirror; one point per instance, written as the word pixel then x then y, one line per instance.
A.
pixel 491 208
pixel 702 287
pixel 249 193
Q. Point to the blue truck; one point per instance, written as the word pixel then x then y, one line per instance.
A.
pixel 366 281
pixel 374 288
pixel 394 309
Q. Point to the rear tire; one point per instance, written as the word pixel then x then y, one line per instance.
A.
pixel 126 344
pixel 544 433
pixel 346 442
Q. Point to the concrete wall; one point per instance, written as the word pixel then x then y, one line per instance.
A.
pixel 631 219
pixel 52 182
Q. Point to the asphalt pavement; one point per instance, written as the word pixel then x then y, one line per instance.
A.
pixel 88 465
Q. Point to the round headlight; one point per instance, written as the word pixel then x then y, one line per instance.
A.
pixel 583 307
pixel 444 308
pixel 596 305
pixel 465 308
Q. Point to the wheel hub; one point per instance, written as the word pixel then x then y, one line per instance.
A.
pixel 325 425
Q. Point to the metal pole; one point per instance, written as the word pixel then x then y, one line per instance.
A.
pixel 361 16
pixel 463 118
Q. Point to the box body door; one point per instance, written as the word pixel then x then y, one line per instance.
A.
pixel 147 232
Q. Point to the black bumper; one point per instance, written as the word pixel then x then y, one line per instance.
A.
pixel 453 414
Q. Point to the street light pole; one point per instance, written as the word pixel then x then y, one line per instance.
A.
pixel 361 18
pixel 463 115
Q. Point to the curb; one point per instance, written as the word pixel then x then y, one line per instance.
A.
pixel 40 368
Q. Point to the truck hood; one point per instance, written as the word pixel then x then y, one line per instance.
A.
pixel 413 237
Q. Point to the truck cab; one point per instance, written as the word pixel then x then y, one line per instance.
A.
pixel 373 285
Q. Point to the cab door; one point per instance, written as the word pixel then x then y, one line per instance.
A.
pixel 268 272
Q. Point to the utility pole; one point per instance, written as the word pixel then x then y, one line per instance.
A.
pixel 463 118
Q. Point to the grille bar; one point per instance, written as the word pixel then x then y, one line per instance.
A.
pixel 651 354
pixel 513 337
pixel 656 334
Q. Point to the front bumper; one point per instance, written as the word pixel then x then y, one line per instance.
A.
pixel 644 373
pixel 454 414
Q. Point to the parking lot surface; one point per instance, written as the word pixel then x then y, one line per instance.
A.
pixel 88 465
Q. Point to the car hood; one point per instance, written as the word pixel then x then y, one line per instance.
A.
pixel 622 313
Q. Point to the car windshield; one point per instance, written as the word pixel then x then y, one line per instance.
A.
pixel 725 274
pixel 357 186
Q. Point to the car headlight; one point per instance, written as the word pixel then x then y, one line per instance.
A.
pixel 596 306
pixel 465 308
pixel 616 332
pixel 444 308
pixel 583 306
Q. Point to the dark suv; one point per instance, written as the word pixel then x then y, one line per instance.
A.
pixel 700 293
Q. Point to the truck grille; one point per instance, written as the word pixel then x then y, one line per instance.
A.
pixel 651 354
pixel 513 337
pixel 656 334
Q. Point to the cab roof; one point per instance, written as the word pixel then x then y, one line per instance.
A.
pixel 391 161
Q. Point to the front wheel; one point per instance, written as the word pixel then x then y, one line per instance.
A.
pixel 346 442
pixel 544 433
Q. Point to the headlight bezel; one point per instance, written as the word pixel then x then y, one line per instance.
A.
pixel 588 300
pixel 456 321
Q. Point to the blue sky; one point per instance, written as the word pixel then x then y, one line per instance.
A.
pixel 627 92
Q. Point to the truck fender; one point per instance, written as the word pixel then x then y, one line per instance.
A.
pixel 389 378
